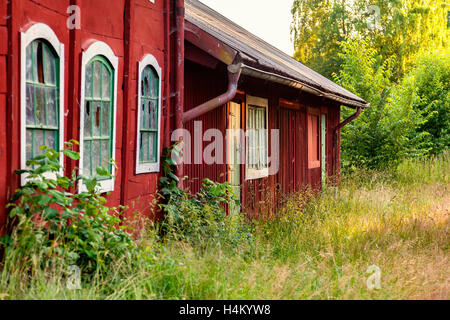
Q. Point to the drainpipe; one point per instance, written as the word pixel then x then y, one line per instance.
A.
pixel 179 77
pixel 234 73
pixel 335 138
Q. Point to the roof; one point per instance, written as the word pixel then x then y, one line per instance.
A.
pixel 260 54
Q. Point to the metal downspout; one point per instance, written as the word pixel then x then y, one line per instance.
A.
pixel 234 73
pixel 335 138
pixel 179 78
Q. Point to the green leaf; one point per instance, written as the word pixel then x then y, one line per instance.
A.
pixel 71 154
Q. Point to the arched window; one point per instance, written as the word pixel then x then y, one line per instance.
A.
pixel 42 99
pixel 149 116
pixel 98 112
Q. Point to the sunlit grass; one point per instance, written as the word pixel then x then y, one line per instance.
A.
pixel 320 249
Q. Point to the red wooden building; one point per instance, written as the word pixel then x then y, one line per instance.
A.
pixel 122 76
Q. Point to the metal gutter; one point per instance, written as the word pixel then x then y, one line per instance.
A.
pixel 234 74
pixel 269 76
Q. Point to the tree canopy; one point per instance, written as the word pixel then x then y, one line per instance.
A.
pixel 394 28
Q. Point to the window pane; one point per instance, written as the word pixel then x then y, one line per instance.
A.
pixel 154 115
pixel 49 66
pixel 155 83
pixel 52 116
pixel 106 108
pixel 88 86
pixel 40 105
pixel 29 145
pixel 29 62
pixel 106 80
pixel 153 144
pixel 87 120
pixel 96 111
pixel 106 154
pixel 87 158
pixel 97 79
pixel 29 104
pixel 142 115
pixel 96 160
pixel 144 146
pixel 145 83
pixel 38 142
pixel 50 140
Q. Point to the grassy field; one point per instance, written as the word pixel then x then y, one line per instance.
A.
pixel 396 220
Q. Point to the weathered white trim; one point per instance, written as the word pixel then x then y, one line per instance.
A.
pixel 39 31
pixel 148 60
pixel 98 49
pixel 253 174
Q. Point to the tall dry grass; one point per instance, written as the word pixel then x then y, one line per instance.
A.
pixel 397 220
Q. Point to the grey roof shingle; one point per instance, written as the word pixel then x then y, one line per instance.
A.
pixel 258 52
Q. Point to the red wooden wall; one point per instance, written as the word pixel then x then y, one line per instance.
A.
pixel 132 28
pixel 202 84
pixel 3 109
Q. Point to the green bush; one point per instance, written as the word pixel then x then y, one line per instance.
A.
pixel 53 224
pixel 201 218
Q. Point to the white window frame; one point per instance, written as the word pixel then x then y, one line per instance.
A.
pixel 35 32
pixel 98 48
pixel 250 173
pixel 142 168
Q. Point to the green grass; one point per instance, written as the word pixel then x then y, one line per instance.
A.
pixel 320 249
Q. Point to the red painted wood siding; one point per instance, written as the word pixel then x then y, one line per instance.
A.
pixel 3 110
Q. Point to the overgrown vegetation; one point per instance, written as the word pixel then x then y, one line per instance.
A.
pixel 55 227
pixel 393 54
pixel 397 220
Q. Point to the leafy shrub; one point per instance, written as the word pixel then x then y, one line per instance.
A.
pixel 200 218
pixel 55 224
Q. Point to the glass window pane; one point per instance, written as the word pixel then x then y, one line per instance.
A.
pixel 106 154
pixel 29 145
pixel 38 142
pixel 155 83
pixel 87 158
pixel 49 66
pixel 106 122
pixel 142 115
pixel 144 149
pixel 153 145
pixel 29 62
pixel 29 104
pixel 50 137
pixel 148 109
pixel 87 119
pixel 88 86
pixel 154 115
pixel 145 83
pixel 96 154
pixel 106 83
pixel 52 116
pixel 40 105
pixel 97 79
pixel 96 111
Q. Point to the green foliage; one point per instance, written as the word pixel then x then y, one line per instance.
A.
pixel 56 225
pixel 201 218
pixel 385 133
pixel 405 29
pixel 426 89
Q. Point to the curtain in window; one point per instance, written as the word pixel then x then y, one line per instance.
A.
pixel 257 138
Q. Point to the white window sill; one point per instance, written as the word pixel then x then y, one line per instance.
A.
pixel 104 186
pixel 148 168
pixel 253 174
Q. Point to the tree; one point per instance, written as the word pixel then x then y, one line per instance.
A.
pixel 400 28
pixel 386 132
